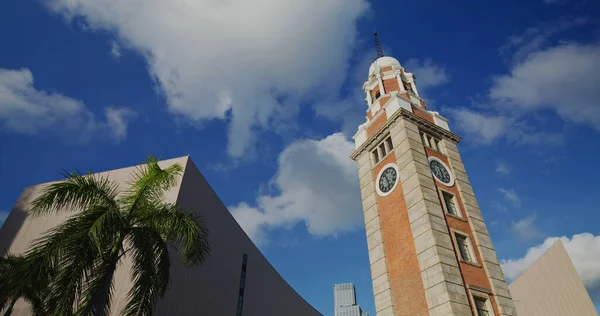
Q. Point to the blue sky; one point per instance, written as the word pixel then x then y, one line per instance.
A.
pixel 266 97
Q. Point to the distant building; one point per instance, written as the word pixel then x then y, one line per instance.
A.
pixel 344 300
pixel 236 280
pixel 552 287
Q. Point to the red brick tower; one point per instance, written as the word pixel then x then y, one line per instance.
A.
pixel 429 248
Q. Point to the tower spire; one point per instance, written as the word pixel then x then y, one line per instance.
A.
pixel 378 45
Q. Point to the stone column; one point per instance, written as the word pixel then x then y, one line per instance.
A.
pixel 444 289
pixel 481 235
pixel 377 257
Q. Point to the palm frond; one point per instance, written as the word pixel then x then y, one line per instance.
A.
pixel 76 249
pixel 149 183
pixel 77 191
pixel 150 271
pixel 21 277
pixel 185 228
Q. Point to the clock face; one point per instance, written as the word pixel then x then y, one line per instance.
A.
pixel 440 172
pixel 387 180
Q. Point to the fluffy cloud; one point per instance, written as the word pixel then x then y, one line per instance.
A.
pixel 562 79
pixel 481 128
pixel 246 62
pixel 538 37
pixel 350 107
pixel 115 50
pixel 503 168
pixel 525 228
pixel 584 250
pixel 26 110
pixel 511 195
pixel 485 127
pixel 116 121
pixel 316 184
pixel 428 74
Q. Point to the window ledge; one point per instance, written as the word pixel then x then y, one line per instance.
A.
pixel 456 217
pixel 435 151
pixel 479 289
pixel 470 262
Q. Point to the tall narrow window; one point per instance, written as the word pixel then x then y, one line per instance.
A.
pixel 388 142
pixel 240 304
pixel 375 156
pixel 425 139
pixel 382 149
pixel 481 306
pixel 449 202
pixel 433 143
pixel 376 96
pixel 463 247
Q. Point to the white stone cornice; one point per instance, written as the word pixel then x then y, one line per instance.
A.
pixel 403 113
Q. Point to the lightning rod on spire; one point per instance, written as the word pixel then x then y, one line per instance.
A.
pixel 378 45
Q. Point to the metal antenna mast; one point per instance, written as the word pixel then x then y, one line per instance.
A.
pixel 378 45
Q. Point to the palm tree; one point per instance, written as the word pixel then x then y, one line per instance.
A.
pixel 82 253
pixel 21 278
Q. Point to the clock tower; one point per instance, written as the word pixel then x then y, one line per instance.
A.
pixel 429 248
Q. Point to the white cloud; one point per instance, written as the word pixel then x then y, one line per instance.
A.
pixel 115 49
pixel 427 73
pixel 249 63
pixel 503 168
pixel 511 195
pixel 317 185
pixel 584 250
pixel 350 108
pixel 27 110
pixel 537 38
pixel 525 228
pixel 562 79
pixel 117 119
pixel 481 128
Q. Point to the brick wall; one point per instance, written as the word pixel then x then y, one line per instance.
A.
pixel 401 257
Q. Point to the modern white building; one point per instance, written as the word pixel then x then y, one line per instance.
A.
pixel 552 287
pixel 344 300
pixel 236 280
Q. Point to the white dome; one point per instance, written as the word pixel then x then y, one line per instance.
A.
pixel 383 62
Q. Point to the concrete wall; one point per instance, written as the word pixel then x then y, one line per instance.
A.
pixel 211 289
pixel 552 287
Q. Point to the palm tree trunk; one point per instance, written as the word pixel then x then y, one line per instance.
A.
pixel 100 298
pixel 10 307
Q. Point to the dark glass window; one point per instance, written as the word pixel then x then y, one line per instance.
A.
pixel 242 285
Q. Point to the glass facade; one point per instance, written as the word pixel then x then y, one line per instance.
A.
pixel 344 300
pixel 240 304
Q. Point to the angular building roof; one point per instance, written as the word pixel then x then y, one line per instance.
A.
pixel 552 287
